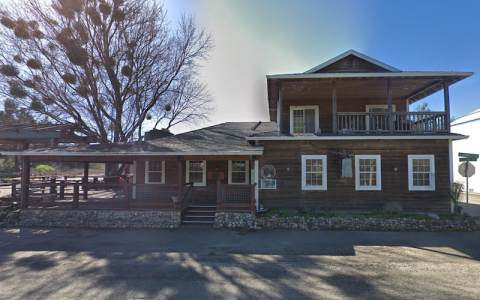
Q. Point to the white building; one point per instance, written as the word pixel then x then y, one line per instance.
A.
pixel 467 125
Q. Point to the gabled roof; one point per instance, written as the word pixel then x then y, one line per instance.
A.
pixel 354 53
pixel 222 139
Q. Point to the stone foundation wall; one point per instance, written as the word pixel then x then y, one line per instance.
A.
pixel 248 220
pixel 92 219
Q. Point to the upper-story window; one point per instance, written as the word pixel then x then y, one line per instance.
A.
pixel 304 119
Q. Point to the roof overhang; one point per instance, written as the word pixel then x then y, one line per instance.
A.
pixel 370 75
pixel 356 137
pixel 117 154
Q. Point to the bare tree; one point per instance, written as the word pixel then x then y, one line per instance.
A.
pixel 107 65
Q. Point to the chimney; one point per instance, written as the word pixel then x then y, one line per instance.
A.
pixel 157 134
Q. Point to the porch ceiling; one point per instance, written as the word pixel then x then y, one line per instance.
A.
pixel 412 88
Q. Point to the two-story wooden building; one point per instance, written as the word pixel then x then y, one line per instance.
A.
pixel 340 136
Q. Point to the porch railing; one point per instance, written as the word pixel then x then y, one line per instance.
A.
pixel 236 196
pixel 403 122
pixel 109 196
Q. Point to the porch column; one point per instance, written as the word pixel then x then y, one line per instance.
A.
pixel 85 180
pixel 334 105
pixel 390 106
pixel 180 177
pixel 280 119
pixel 25 182
pixel 252 188
pixel 446 98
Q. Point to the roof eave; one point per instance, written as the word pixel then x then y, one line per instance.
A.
pixel 356 137
pixel 66 153
pixel 369 75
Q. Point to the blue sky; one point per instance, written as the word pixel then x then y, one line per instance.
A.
pixel 254 38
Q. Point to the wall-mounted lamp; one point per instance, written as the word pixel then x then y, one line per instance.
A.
pixel 216 168
pixel 288 168
pixel 395 169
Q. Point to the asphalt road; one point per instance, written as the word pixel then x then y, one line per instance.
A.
pixel 203 263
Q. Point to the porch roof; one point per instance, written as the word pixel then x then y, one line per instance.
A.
pixel 276 136
pixel 222 139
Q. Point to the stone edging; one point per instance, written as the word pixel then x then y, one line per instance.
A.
pixel 92 219
pixel 248 220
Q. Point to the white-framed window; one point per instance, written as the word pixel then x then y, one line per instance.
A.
pixel 378 122
pixel 197 172
pixel 421 172
pixel 304 119
pixel 368 173
pixel 314 172
pixel 155 172
pixel 238 172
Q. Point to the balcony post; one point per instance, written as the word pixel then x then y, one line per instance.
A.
pixel 446 98
pixel 390 106
pixel 334 105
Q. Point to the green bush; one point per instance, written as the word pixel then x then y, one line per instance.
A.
pixel 287 212
pixel 44 169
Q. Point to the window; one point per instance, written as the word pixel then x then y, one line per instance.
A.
pixel 304 119
pixel 196 172
pixel 378 122
pixel 368 172
pixel 155 172
pixel 314 172
pixel 238 172
pixel 421 172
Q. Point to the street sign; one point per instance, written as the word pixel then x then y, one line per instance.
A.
pixel 466 169
pixel 466 159
pixel 468 156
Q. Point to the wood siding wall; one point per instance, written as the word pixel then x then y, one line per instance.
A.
pixel 341 193
pixel 202 194
pixel 325 108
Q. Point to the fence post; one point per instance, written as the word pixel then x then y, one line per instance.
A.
pixel 219 195
pixel 76 195
pixel 126 191
pixel 53 186
pixel 62 189
pixel 14 189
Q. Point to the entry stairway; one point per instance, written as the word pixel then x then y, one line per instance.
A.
pixel 200 214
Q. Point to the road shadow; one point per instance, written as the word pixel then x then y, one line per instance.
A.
pixel 216 263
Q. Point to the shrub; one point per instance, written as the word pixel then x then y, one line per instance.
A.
pixel 393 208
pixel 288 212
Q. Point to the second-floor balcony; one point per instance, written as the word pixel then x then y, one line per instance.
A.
pixel 397 122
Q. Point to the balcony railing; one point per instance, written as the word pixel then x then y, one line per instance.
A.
pixel 402 122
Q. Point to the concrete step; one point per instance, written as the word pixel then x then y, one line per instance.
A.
pixel 198 222
pixel 198 216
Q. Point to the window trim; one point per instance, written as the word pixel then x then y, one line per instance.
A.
pixel 204 173
pixel 247 171
pixel 411 187
pixel 147 171
pixel 303 107
pixel 359 187
pixel 322 187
